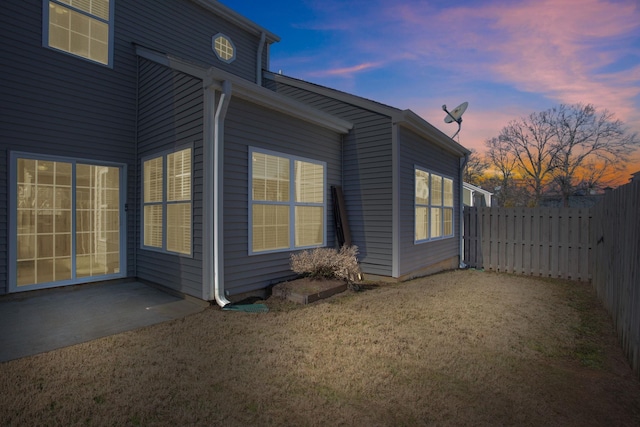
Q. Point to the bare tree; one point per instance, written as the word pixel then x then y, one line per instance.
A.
pixel 475 168
pixel 587 145
pixel 563 148
pixel 501 158
pixel 596 176
pixel 530 141
pixel 507 193
pixel 524 149
pixel 503 163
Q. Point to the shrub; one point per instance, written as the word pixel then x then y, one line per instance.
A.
pixel 327 263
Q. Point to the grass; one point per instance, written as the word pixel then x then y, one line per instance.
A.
pixel 459 348
pixel 593 327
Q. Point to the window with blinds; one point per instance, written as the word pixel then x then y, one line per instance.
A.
pixel 433 206
pixel 288 206
pixel 79 27
pixel 167 202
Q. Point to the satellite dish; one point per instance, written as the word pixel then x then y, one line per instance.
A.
pixel 455 115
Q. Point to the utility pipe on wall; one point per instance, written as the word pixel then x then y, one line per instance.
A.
pixel 263 38
pixel 463 163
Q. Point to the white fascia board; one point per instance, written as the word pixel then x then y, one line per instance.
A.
pixel 472 187
pixel 417 124
pixel 250 91
pixel 236 19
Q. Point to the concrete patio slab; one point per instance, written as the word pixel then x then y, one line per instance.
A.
pixel 56 318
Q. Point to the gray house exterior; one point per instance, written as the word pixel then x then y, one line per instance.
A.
pixel 147 140
pixel 380 155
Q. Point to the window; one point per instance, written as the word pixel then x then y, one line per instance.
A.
pixel 433 206
pixel 80 27
pixel 67 221
pixel 223 48
pixel 167 202
pixel 287 198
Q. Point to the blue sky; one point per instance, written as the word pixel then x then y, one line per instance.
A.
pixel 506 58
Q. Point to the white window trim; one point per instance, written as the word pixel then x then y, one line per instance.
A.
pixel 430 205
pixel 13 220
pixel 291 203
pixel 109 22
pixel 164 154
pixel 233 46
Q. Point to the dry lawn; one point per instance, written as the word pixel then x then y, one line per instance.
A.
pixel 459 348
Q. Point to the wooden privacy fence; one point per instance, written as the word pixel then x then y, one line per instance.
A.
pixel 547 242
pixel 601 245
pixel 615 233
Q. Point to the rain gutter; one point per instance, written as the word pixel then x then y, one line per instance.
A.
pixel 263 38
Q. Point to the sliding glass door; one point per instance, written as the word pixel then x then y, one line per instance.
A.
pixel 67 222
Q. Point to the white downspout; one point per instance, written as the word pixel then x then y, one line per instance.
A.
pixel 212 227
pixel 263 37
pixel 463 163
pixel 207 196
pixel 218 193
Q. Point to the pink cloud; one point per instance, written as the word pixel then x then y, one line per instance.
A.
pixel 552 48
pixel 344 71
pixel 555 48
pixel 562 50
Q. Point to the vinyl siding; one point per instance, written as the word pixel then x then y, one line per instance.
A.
pixel 56 104
pixel 248 125
pixel 170 117
pixel 184 29
pixel 415 151
pixel 367 176
pixel 59 104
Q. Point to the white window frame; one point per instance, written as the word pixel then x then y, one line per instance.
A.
pixel 14 156
pixel 109 22
pixel 434 205
pixel 164 203
pixel 218 54
pixel 291 203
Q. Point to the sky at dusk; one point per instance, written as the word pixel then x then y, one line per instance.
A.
pixel 506 58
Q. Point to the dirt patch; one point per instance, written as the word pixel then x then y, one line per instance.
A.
pixel 460 348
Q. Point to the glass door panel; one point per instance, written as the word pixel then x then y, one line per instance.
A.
pixel 54 241
pixel 43 221
pixel 97 220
